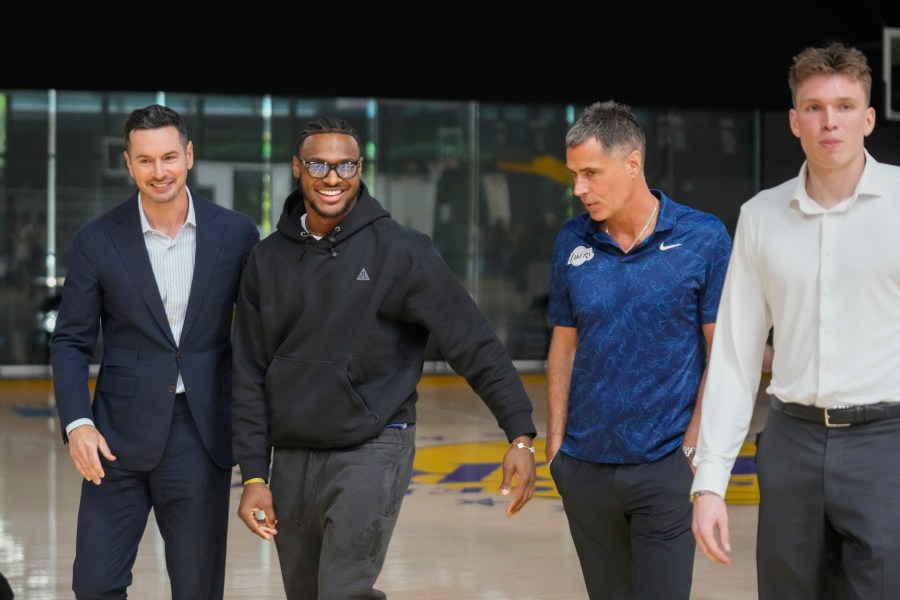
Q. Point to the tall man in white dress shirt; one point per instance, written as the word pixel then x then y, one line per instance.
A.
pixel 817 257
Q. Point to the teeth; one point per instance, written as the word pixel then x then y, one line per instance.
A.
pixel 330 192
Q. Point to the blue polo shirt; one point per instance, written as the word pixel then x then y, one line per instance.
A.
pixel 641 351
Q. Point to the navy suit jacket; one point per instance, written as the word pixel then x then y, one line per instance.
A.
pixel 110 288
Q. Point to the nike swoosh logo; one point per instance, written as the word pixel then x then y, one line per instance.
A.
pixel 663 246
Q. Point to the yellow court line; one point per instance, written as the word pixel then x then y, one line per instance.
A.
pixel 26 385
pixel 454 379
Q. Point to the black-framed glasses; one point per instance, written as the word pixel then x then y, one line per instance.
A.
pixel 345 169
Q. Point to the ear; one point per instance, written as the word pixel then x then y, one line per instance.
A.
pixel 296 167
pixel 635 162
pixel 870 121
pixel 792 120
pixel 128 163
pixel 189 154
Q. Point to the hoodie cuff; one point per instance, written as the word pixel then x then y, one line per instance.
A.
pixel 254 467
pixel 519 424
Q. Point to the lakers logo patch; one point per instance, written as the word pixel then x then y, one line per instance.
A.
pixel 580 255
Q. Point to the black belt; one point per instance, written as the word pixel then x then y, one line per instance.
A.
pixel 841 416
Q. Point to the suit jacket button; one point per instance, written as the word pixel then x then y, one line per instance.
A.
pixel 172 389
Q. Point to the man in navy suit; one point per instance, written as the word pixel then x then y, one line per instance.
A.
pixel 157 276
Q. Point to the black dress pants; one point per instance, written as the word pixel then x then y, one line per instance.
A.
pixel 828 514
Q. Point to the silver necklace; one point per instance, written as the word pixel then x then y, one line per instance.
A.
pixel 639 236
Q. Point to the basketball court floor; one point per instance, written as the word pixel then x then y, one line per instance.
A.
pixel 453 539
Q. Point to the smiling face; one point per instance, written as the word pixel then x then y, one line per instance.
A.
pixel 159 162
pixel 328 200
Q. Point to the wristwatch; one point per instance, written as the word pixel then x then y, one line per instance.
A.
pixel 698 493
pixel 689 451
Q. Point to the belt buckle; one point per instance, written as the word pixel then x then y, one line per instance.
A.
pixel 828 422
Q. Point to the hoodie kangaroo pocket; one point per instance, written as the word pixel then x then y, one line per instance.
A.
pixel 313 405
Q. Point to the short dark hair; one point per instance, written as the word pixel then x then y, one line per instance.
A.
pixel 154 116
pixel 612 124
pixel 832 59
pixel 326 125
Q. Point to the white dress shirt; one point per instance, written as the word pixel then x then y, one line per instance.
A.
pixel 829 282
pixel 172 260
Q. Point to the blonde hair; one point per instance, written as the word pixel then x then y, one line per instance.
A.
pixel 833 59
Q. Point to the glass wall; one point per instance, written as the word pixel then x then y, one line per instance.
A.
pixel 487 182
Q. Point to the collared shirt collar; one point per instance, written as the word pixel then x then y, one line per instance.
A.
pixel 867 186
pixel 191 217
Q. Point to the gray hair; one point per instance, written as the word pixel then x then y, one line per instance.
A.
pixel 610 123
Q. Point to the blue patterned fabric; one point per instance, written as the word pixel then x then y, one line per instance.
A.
pixel 641 351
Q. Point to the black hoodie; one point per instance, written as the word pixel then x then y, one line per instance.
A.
pixel 330 335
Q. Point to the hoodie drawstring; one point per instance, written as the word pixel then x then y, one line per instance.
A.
pixel 308 239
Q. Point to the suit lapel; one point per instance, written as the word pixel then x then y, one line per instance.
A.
pixel 129 241
pixel 209 237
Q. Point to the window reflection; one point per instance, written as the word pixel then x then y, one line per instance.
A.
pixel 487 182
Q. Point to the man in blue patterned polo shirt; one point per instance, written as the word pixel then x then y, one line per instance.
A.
pixel 633 297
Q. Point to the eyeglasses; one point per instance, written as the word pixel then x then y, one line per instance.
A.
pixel 319 170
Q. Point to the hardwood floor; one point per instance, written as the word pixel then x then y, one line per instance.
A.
pixel 453 539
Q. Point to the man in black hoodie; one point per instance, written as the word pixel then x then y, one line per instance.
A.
pixel 333 316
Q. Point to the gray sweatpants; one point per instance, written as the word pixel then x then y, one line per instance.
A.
pixel 336 513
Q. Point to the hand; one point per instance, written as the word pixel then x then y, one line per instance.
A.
pixel 257 497
pixel 550 450
pixel 710 516
pixel 689 452
pixel 518 463
pixel 85 442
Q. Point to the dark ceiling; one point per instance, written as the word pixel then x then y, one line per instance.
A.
pixel 508 52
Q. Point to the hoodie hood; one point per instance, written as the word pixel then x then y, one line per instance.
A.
pixel 366 211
